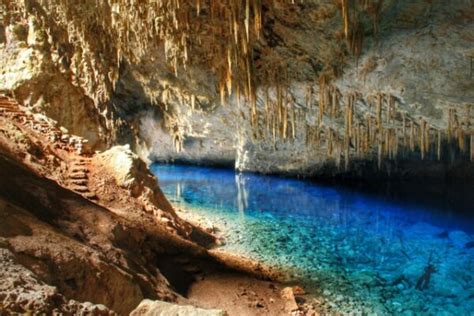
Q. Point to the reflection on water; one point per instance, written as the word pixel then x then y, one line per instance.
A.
pixel 362 252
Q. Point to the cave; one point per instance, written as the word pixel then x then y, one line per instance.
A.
pixel 237 157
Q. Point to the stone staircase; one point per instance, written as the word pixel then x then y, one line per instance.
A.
pixel 11 109
pixel 78 179
pixel 77 172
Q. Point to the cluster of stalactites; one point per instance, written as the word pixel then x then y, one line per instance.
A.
pixel 224 30
pixel 349 126
pixel 377 125
pixel 353 28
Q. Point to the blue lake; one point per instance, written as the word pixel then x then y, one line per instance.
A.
pixel 358 252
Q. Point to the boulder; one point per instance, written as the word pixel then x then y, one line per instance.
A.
pixel 131 173
pixel 160 308
pixel 290 302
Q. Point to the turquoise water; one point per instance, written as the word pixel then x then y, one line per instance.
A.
pixel 362 253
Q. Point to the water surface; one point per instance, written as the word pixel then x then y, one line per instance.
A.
pixel 363 253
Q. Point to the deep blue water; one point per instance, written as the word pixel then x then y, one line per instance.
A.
pixel 361 253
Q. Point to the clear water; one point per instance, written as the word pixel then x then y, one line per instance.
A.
pixel 361 253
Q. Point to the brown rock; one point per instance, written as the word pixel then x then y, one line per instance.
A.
pixel 289 297
pixel 298 290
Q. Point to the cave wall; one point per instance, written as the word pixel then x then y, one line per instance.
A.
pixel 414 53
pixel 420 57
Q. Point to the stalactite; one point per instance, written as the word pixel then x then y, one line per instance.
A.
pixel 461 139
pixel 389 143
pixel 222 92
pixel 367 137
pixel 346 117
pixel 356 38
pixel 349 111
pixel 450 124
pixel 330 142
pixel 422 138
pixel 293 123
pixel 334 103
pixel 468 127
pixel 404 129
pixel 379 111
pixel 193 102
pixel 309 97
pixel 379 155
pixel 284 132
pixel 247 19
pixel 274 129
pixel 338 153
pixel 345 16
pixel 280 103
pixel 472 146
pixel 322 99
pixel 396 141
pixel 238 96
pixel 467 117
pixel 390 108
pixel 257 10
pixel 369 129
pixel 439 145
pixel 427 138
pixel 359 135
pixel 267 110
pixel 346 156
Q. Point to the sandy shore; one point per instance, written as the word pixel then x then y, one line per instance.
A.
pixel 257 289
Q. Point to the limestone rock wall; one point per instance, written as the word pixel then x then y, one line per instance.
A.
pixel 421 59
pixel 29 72
pixel 415 57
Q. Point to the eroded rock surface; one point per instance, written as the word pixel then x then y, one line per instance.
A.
pixel 76 245
pixel 414 56
pixel 21 291
pixel 158 308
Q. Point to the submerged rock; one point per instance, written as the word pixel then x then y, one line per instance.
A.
pixel 459 238
pixel 469 245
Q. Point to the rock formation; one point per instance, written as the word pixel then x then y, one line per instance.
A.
pixel 148 307
pixel 314 87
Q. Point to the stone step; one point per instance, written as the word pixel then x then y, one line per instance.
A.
pixel 80 189
pixel 90 196
pixel 78 169
pixel 80 163
pixel 13 111
pixel 6 105
pixel 82 182
pixel 78 176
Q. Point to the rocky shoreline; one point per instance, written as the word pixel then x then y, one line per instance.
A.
pixel 396 266
pixel 80 227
